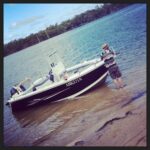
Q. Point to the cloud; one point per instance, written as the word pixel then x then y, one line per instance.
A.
pixel 22 23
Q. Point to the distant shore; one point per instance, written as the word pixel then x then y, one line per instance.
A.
pixel 54 30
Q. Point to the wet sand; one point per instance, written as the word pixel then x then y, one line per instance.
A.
pixel 102 117
pixel 108 123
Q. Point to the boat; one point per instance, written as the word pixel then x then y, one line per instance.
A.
pixel 62 83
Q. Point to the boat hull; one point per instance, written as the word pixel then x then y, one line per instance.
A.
pixel 70 89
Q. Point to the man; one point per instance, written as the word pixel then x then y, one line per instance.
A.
pixel 110 63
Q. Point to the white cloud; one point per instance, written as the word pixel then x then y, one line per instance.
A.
pixel 14 24
pixel 26 22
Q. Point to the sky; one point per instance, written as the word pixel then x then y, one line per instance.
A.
pixel 20 20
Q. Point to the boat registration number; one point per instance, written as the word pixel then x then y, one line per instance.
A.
pixel 74 82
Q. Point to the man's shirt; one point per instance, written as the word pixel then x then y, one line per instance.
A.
pixel 108 58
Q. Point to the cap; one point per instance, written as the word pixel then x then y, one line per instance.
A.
pixel 105 45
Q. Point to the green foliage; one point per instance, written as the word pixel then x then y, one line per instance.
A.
pixel 53 30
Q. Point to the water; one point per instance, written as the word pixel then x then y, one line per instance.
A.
pixel 125 31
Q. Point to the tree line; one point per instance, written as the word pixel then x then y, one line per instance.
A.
pixel 53 30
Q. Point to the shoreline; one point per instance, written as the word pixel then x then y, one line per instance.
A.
pixel 105 124
pixel 88 120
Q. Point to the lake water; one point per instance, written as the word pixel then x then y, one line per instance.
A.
pixel 125 31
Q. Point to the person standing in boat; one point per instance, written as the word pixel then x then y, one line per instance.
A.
pixel 110 63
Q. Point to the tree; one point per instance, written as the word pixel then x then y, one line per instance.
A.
pixel 53 30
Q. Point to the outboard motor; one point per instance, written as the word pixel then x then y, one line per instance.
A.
pixel 13 90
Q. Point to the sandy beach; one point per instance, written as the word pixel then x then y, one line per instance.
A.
pixel 106 124
pixel 102 117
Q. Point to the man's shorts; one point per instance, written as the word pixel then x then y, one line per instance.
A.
pixel 114 72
